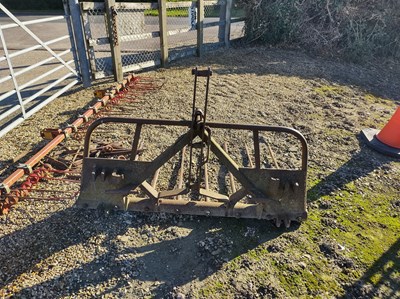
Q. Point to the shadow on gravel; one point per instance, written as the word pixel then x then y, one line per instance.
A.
pixel 380 80
pixel 170 262
pixel 385 274
pixel 361 164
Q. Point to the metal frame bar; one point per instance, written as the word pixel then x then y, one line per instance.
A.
pixel 144 6
pixel 8 26
pixel 88 38
pixel 73 11
pixel 26 50
pixel 213 24
pixel 21 87
pixel 278 194
pixel 34 36
pixel 38 107
pixel 26 112
pixel 71 36
pixel 10 67
pixel 188 123
pixel 135 37
pixel 33 97
pixel 33 66
pixel 237 20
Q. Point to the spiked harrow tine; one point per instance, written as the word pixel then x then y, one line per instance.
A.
pixel 271 153
pixel 207 185
pixel 181 171
pixel 249 156
pixel 155 178
pixel 231 178
pixel 254 191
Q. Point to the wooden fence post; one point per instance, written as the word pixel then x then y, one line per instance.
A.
pixel 200 23
pixel 162 16
pixel 111 16
pixel 227 31
pixel 222 19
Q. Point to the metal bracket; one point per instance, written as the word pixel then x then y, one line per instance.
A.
pixel 95 109
pixel 111 95
pixel 84 117
pixel 99 93
pixel 73 127
pixel 5 188
pixel 102 101
pixel 50 134
pixel 27 168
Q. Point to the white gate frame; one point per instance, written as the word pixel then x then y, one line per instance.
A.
pixel 20 112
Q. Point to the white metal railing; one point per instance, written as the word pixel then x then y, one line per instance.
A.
pixel 15 107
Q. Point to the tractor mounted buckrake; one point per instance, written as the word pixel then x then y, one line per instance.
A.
pixel 265 193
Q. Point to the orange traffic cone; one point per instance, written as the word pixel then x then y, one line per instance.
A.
pixel 386 141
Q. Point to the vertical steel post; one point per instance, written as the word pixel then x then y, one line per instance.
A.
pixel 88 36
pixel 80 42
pixel 200 23
pixel 10 67
pixel 162 16
pixel 67 15
pixel 112 26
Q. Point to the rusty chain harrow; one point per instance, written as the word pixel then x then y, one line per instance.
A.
pixel 58 168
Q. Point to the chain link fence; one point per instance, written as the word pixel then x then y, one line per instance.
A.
pixel 182 33
pixel 138 27
pixel 140 45
pixel 214 17
pixel 99 49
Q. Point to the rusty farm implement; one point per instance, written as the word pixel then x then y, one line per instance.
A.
pixel 255 191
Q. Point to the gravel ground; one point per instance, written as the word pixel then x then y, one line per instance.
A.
pixel 51 249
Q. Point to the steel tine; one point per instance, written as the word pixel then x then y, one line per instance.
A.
pixel 231 178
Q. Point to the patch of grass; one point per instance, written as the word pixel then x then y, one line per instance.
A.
pixel 328 90
pixel 215 290
pixel 372 99
pixel 313 193
pixel 370 228
pixel 366 229
pixel 178 12
pixel 316 278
